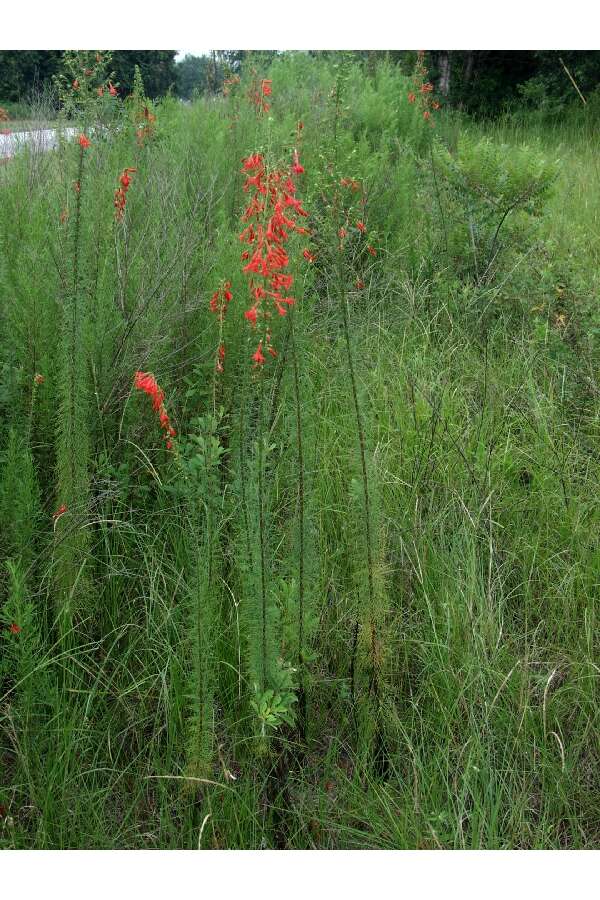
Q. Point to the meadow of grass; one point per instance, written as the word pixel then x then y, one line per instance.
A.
pixel 352 603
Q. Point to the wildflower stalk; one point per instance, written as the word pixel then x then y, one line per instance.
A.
pixel 73 432
pixel 261 529
pixel 362 447
pixel 301 596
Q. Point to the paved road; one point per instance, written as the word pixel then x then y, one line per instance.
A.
pixel 43 139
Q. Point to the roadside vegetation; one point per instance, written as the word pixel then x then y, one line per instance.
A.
pixel 298 472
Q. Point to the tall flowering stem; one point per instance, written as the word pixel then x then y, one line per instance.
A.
pixel 260 89
pixel 121 193
pixel 421 93
pixel 73 437
pixel 343 227
pixel 272 215
pixel 146 382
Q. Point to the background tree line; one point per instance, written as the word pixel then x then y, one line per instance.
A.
pixel 24 73
pixel 482 82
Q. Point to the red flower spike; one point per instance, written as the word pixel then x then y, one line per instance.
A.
pixel 372 250
pixel 120 193
pixel 258 357
pixel 145 381
pixel 84 142
pixel 272 216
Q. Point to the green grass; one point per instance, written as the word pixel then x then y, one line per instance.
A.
pixel 129 723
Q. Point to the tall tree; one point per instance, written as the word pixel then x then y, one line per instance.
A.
pixel 157 68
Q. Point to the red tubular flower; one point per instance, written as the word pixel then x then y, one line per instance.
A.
pixel 101 91
pixel 372 250
pixel 14 628
pixel 59 512
pixel 310 257
pixel 258 357
pixel 361 227
pixel 145 381
pixel 220 300
pixel 272 215
pixel 411 97
pixel 84 141
pixel 112 90
pixel 120 193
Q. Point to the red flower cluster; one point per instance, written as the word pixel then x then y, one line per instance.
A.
pixel 84 142
pixel 14 628
pixel 257 93
pixel 59 512
pixel 145 123
pixel 145 381
pixel 351 183
pixel 120 193
pixel 423 89
pixel 229 83
pixel 272 215
pixel 359 225
pixel 220 300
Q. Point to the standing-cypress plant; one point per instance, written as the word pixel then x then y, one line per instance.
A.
pixel 73 445
pixel 272 214
pixel 84 92
pixel 343 226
